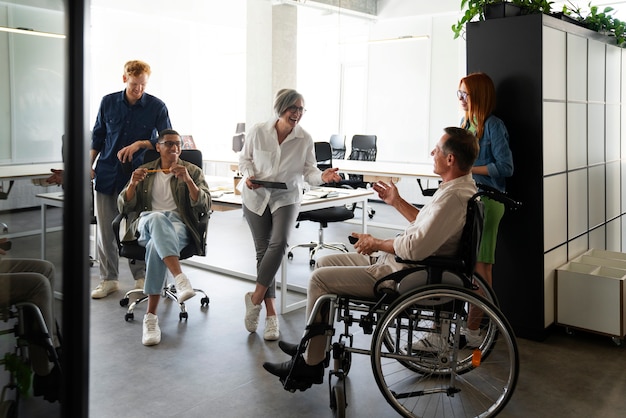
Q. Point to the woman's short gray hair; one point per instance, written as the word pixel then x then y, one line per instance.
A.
pixel 284 99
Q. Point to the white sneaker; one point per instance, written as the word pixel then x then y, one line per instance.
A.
pixel 139 283
pixel 473 338
pixel 271 332
pixel 252 313
pixel 184 290
pixel 151 331
pixel 432 342
pixel 104 289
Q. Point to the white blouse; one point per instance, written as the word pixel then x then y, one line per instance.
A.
pixel 292 162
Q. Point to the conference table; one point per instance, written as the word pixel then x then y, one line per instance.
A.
pixel 315 198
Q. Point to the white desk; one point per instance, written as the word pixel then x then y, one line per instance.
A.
pixel 27 171
pixel 383 169
pixel 47 199
pixel 339 197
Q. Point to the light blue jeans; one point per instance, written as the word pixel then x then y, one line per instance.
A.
pixel 163 234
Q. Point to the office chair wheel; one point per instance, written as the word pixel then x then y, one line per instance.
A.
pixel 312 263
pixel 183 315
pixel 124 302
pixel 129 316
pixel 290 255
pixel 204 302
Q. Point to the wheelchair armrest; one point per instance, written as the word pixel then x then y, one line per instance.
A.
pixel 438 261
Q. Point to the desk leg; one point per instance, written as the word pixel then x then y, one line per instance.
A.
pixel 43 231
pixel 284 308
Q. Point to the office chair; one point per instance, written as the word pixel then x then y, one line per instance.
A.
pixel 338 145
pixel 324 157
pixel 134 251
pixel 363 148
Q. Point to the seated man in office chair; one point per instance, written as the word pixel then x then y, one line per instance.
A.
pixel 436 229
pixel 167 196
pixel 25 280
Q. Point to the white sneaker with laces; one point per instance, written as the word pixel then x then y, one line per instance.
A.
pixel 252 313
pixel 151 331
pixel 104 289
pixel 184 290
pixel 272 331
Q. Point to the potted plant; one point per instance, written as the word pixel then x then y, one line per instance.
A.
pixel 488 9
pixel 600 21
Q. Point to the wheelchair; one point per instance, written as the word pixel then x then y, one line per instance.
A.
pixel 431 299
pixel 18 362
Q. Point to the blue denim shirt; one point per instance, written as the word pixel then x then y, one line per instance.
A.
pixel 118 125
pixel 495 154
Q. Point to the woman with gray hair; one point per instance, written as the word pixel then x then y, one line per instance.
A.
pixel 281 152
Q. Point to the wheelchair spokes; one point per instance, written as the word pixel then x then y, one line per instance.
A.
pixel 439 379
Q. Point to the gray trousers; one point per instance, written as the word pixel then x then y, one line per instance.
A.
pixel 108 255
pixel 271 234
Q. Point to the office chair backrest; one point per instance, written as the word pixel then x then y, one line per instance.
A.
pixel 363 148
pixel 323 155
pixel 338 145
pixel 193 156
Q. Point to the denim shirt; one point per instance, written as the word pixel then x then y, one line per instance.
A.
pixel 495 154
pixel 118 125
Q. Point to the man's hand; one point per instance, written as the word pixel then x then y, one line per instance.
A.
pixel 387 192
pixel 125 155
pixel 56 177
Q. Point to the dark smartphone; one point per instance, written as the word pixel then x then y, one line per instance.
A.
pixel 6 246
pixel 352 239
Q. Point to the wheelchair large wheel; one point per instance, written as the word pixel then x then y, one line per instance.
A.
pixel 447 379
pixel 424 320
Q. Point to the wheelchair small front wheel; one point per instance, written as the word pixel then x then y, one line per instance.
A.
pixel 338 400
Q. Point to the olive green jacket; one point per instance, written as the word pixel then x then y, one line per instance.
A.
pixel 188 210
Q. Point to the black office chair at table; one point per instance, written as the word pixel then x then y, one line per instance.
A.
pixel 363 148
pixel 338 145
pixel 323 155
pixel 134 251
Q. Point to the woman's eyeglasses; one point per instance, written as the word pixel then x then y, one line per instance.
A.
pixel 461 94
pixel 294 109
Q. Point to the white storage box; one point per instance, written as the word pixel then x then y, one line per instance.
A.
pixel 591 291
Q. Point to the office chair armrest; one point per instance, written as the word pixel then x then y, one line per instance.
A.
pixel 116 227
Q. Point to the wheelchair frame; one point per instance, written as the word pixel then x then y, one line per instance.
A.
pixel 449 378
pixel 9 407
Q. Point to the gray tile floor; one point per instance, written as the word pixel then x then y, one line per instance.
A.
pixel 209 366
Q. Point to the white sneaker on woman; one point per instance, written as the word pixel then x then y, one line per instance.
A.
pixel 271 332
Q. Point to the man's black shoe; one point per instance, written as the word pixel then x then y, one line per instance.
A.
pixel 288 348
pixel 301 372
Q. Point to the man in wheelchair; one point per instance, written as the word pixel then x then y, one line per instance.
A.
pixel 167 195
pixel 436 229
